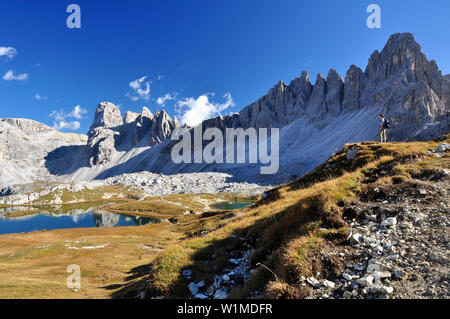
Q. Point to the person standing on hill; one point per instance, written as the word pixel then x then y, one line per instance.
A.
pixel 385 124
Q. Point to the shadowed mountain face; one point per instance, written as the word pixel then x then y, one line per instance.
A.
pixel 314 120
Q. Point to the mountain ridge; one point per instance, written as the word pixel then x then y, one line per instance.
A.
pixel 399 80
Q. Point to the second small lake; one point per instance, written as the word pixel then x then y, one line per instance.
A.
pixel 231 205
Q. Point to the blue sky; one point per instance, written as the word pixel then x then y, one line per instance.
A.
pixel 221 55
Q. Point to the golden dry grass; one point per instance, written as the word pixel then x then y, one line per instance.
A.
pixel 34 265
pixel 286 232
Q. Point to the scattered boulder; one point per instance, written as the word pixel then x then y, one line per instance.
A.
pixel 443 148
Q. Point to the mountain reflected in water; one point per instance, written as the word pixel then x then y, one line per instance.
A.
pixel 58 218
pixel 104 219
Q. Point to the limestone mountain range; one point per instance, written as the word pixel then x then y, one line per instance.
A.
pixel 315 120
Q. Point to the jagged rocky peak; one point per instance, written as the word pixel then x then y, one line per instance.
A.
pixel 399 80
pixel 110 131
pixel 130 117
pixel 305 83
pixel 163 127
pixel 154 128
pixel 402 51
pixel 403 55
pixel 355 80
pixel 146 113
pixel 335 92
pixel 317 106
pixel 107 115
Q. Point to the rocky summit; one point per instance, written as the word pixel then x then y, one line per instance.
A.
pixel 315 120
pixel 110 131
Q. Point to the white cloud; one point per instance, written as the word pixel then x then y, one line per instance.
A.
pixel 77 112
pixel 160 77
pixel 61 116
pixel 141 89
pixel 72 125
pixel 9 76
pixel 8 52
pixel 58 115
pixel 193 111
pixel 163 99
pixel 39 97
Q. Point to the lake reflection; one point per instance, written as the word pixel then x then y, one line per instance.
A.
pixel 59 218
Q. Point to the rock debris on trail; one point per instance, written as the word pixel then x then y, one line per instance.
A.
pixel 398 245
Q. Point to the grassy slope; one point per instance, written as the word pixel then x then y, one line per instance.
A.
pixel 293 223
pixel 34 265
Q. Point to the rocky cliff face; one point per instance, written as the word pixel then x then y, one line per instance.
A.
pixel 24 144
pixel 110 132
pixel 399 81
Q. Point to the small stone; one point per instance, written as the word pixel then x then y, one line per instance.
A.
pixel 443 147
pixel 187 273
pixel 217 281
pixel 355 238
pixel 359 267
pixel 379 248
pixel 351 155
pixel 383 274
pixel 226 278
pixel 366 281
pixel 201 296
pixel 234 261
pixel 193 288
pixel 210 291
pixel 387 290
pixel 220 294
pixel 393 257
pixel 390 221
pixel 422 192
pixel 400 274
pixel 313 282
pixel 405 225
pixel 347 294
pixel 328 284
pixel 141 295
pixel 347 277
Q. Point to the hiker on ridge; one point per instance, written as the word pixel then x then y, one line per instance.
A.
pixel 385 124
